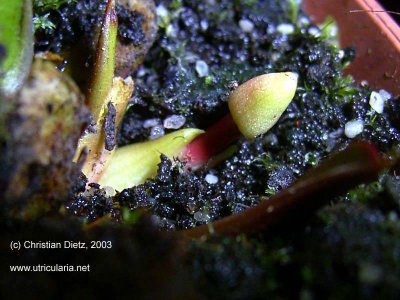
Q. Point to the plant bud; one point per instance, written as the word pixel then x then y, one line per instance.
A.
pixel 257 104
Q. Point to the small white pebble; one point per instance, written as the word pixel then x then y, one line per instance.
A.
pixel 353 128
pixel 161 11
pixel 211 179
pixel 141 72
pixel 304 21
pixel 376 101
pixel 174 122
pixel 285 28
pixel 156 132
pixel 110 192
pixel 385 95
pixel 246 25
pixel 204 25
pixel 314 31
pixel 202 68
pixel 151 123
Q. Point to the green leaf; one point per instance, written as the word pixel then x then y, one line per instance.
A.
pixel 104 63
pixel 293 10
pixel 16 36
pixel 330 31
pixel 133 164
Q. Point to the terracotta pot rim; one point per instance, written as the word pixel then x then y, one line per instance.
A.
pixel 365 25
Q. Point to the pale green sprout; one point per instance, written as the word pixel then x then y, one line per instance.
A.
pixel 257 104
pixel 134 164
pixel 330 31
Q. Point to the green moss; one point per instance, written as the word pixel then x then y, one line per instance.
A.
pixel 43 9
pixel 43 22
pixel 267 162
pixel 42 6
pixel 365 192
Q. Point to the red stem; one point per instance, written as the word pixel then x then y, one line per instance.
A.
pixel 217 137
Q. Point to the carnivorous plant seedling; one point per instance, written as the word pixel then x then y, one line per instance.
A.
pixel 255 107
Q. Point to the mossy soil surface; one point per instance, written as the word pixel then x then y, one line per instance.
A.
pixel 204 49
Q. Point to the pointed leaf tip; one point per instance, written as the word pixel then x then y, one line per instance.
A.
pixel 257 104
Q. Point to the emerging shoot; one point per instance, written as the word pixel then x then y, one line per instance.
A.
pixel 257 104
pixel 104 63
pixel 255 107
pixel 107 99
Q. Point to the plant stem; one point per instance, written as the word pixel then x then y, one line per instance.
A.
pixel 106 96
pixel 104 63
pixel 212 142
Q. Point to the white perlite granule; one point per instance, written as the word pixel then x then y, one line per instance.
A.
pixel 174 122
pixel 110 192
pixel 161 11
pixel 211 179
pixel 314 31
pixel 246 25
pixel 353 128
pixel 376 101
pixel 156 132
pixel 385 95
pixel 151 123
pixel 202 68
pixel 285 28
pixel 204 25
